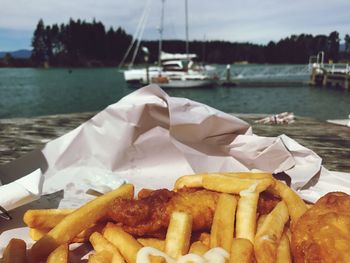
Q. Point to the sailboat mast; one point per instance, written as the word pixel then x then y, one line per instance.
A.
pixel 161 34
pixel 186 14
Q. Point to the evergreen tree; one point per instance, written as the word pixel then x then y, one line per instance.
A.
pixel 39 51
pixel 347 43
pixel 333 46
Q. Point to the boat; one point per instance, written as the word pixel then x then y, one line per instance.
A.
pixel 173 70
pixel 176 71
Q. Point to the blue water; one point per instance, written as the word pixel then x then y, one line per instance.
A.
pixel 35 92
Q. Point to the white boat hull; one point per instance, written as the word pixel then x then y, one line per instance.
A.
pixel 174 79
pixel 140 75
pixel 185 84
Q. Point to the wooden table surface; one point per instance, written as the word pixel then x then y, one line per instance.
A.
pixel 19 136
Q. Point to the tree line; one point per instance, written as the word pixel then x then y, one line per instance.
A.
pixel 81 43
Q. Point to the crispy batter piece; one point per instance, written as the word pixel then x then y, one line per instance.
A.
pixel 150 215
pixel 322 234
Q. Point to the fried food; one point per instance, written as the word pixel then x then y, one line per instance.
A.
pixel 296 206
pixel 242 251
pixel 322 234
pixel 127 245
pixel 178 236
pixel 268 237
pixel 222 229
pixel 150 215
pixel 59 255
pixel 15 252
pixel 74 223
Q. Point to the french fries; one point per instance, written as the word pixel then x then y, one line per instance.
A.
pixel 100 244
pixel 237 233
pixel 59 255
pixel 233 184
pixel 283 250
pixel 242 251
pixel 198 248
pixel 222 229
pixel 296 206
pixel 102 256
pixel 15 251
pixel 45 218
pixel 246 215
pixel 268 237
pixel 177 241
pixel 83 236
pixel 76 222
pixel 124 242
pixel 194 180
pixel 152 242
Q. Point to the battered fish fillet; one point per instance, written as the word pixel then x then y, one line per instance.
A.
pixel 322 234
pixel 150 215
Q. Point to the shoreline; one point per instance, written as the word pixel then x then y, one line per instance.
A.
pixel 20 136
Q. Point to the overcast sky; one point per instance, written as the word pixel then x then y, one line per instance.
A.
pixel 256 21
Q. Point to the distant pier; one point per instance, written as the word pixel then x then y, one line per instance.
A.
pixel 331 78
pixel 262 80
pixel 328 75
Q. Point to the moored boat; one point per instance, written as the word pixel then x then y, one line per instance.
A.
pixel 173 70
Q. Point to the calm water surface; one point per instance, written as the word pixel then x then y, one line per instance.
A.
pixel 34 92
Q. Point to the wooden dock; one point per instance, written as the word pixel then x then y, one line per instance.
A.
pixel 330 78
pixel 19 136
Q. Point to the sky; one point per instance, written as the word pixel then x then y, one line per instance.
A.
pixel 255 21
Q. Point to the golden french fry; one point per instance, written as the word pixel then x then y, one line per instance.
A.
pixel 246 215
pixel 15 251
pixel 268 237
pixel 222 228
pixel 260 222
pixel 296 206
pixel 102 256
pixel 152 242
pixel 178 236
pixel 59 255
pixel 155 243
pixel 35 234
pixel 194 180
pixel 234 185
pixel 45 218
pixel 250 175
pixel 99 243
pixel 127 245
pixel 204 238
pixel 198 248
pixel 283 250
pixel 74 223
pixel 309 205
pixel 242 251
pixel 288 233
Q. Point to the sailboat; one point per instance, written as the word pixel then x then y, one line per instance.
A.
pixel 173 70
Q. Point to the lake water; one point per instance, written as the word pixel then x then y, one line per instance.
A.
pixel 35 92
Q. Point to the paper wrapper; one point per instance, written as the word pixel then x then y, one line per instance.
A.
pixel 150 139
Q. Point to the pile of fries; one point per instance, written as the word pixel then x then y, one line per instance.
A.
pixel 238 233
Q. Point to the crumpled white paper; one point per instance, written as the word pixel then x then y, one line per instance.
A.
pixel 21 191
pixel 150 139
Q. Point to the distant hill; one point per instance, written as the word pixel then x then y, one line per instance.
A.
pixel 22 53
